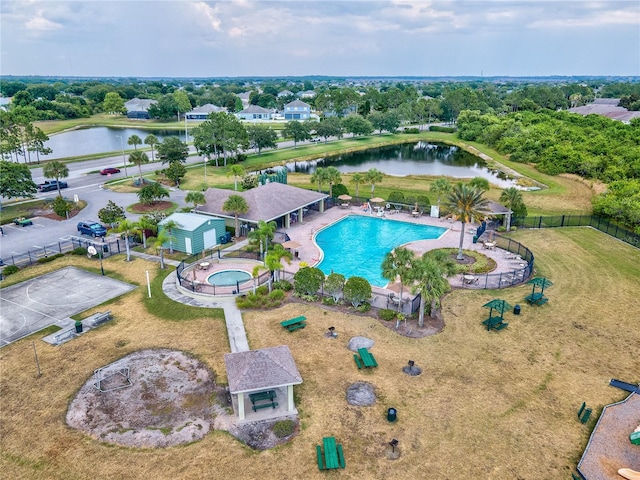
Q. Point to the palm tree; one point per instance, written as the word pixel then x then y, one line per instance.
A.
pixel 319 177
pixel 397 263
pixel 273 261
pixel 158 243
pixel 169 227
pixel 441 186
pixel 126 226
pixel 262 234
pixel 144 224
pixel 238 172
pixel 428 276
pixel 357 179
pixel 138 158
pixel 236 204
pixel 151 140
pixel 333 176
pixel 465 203
pixel 56 170
pixel 134 140
pixel 373 176
pixel 512 199
pixel 197 198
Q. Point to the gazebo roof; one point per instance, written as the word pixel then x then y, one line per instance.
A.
pixel 260 369
pixel 266 202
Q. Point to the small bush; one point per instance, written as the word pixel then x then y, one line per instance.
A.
pixel 50 259
pixel 276 295
pixel 411 130
pixel 79 251
pixel 386 314
pixel 10 270
pixel 284 428
pixel 60 206
pixel 501 229
pixel 262 290
pixel 437 128
pixel 283 285
pixel 364 308
pixel 328 301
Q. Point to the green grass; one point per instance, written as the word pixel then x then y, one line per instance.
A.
pixel 23 209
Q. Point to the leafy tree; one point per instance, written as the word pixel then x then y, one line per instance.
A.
pixel 307 281
pixel 357 125
pixel 113 103
pixel 249 181
pixel 236 204
pixel 60 206
pixel 222 133
pixel 329 127
pixel 333 285
pixel 261 137
pixel 169 227
pixel 480 183
pixel 428 277
pixel 357 179
pixel 237 172
pixel 397 263
pixel 175 172
pixel 147 223
pixel 441 186
pixel 165 109
pixel 138 158
pixel 373 176
pixel 37 142
pixel 197 198
pixel 57 170
pixel 183 105
pixel 512 199
pixel 172 149
pixel 134 140
pixel 152 193
pixel 357 291
pixel 111 214
pixel 465 203
pixel 333 176
pixel 319 176
pixel 152 141
pixel 16 180
pixel 299 131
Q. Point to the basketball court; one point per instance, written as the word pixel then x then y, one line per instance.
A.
pixel 51 299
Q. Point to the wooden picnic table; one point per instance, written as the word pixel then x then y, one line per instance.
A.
pixel 332 457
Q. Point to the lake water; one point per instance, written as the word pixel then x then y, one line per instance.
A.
pixel 92 140
pixel 421 158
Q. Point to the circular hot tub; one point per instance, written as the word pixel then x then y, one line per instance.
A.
pixel 228 278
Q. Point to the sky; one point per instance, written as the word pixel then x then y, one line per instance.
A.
pixel 231 38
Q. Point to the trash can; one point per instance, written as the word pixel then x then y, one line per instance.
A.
pixel 78 326
pixel 105 248
pixel 516 310
pixel 391 415
pixel 475 239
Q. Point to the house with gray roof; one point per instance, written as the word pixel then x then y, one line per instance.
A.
pixel 139 107
pixel 254 112
pixel 264 370
pixel 202 112
pixel 297 110
pixel 194 233
pixel 285 93
pixel 273 201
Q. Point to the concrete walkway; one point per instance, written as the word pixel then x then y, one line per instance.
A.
pixel 233 318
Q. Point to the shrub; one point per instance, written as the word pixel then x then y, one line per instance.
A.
pixel 437 128
pixel 50 259
pixel 79 251
pixel 363 307
pixel 61 206
pixel 283 285
pixel 357 290
pixel 284 428
pixel 386 314
pixel 276 295
pixel 10 270
pixel 411 130
pixel 328 301
pixel 307 281
pixel 262 290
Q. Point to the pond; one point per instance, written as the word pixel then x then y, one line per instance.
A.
pixel 421 158
pixel 87 141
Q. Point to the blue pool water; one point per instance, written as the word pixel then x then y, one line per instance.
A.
pixel 228 278
pixel 357 245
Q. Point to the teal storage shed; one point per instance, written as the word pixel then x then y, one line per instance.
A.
pixel 192 233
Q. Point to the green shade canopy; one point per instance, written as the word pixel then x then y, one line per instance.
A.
pixel 498 305
pixel 540 282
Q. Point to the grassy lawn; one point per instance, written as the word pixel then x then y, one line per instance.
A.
pixel 499 405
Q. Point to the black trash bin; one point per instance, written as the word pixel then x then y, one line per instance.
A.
pixel 105 248
pixel 516 310
pixel 391 414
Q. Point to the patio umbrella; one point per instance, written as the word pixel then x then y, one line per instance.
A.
pixel 344 196
pixel 290 244
pixel 377 200
pixel 498 305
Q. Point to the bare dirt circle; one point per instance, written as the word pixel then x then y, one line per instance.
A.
pixel 169 401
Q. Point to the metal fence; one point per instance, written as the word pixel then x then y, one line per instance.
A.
pixel 108 248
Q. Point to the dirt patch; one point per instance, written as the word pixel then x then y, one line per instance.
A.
pixel 171 399
pixel 150 207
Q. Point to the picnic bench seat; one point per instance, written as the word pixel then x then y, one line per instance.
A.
pixel 536 299
pixel 319 457
pixel 332 457
pixel 65 335
pixel 294 323
pixel 358 361
pixel 268 395
pixel 100 318
pixel 497 323
pixel 264 405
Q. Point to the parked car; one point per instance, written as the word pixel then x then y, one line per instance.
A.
pixel 51 185
pixel 91 228
pixel 110 170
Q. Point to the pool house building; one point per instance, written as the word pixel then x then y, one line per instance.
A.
pixel 193 232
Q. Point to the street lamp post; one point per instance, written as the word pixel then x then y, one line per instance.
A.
pixel 124 160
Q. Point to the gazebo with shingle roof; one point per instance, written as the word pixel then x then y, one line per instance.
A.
pixel 262 370
pixel 270 202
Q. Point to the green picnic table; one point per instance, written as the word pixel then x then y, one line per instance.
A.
pixel 332 457
pixel 294 323
pixel 496 323
pixel 368 360
pixel 536 298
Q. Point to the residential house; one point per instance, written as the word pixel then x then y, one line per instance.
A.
pixel 194 232
pixel 306 94
pixel 202 113
pixel 297 110
pixel 254 112
pixel 139 107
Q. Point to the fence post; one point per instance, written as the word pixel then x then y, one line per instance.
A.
pixel 60 247
pixel 562 221
pixel 29 253
pixel 539 222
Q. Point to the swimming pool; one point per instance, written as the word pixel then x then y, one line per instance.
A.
pixel 356 245
pixel 226 278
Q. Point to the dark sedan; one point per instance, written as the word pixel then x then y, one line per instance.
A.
pixel 109 171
